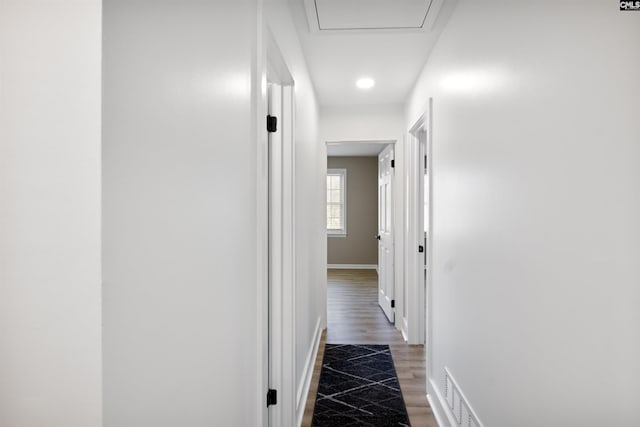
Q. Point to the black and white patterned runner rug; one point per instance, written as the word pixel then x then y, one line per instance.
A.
pixel 358 387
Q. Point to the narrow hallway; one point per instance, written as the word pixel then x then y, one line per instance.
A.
pixel 354 317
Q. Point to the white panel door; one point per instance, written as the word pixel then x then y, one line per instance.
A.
pixel 385 233
pixel 274 97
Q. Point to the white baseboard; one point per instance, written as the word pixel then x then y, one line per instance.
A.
pixel 353 266
pixel 439 407
pixel 307 373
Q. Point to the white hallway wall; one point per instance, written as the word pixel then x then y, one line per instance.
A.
pixel 158 171
pixel 361 123
pixel 50 350
pixel 182 310
pixel 166 346
pixel 181 302
pixel 536 207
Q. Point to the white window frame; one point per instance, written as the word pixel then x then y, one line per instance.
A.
pixel 342 231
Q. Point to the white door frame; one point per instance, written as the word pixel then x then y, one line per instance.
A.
pixel 398 218
pixel 277 157
pixel 419 143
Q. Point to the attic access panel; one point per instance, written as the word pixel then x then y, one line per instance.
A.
pixel 370 14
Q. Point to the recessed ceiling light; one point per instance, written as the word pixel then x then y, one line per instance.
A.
pixel 365 83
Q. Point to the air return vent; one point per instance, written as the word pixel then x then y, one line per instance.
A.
pixel 458 408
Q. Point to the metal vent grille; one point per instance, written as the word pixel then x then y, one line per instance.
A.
pixel 457 404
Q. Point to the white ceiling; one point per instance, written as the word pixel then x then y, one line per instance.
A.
pixel 337 57
pixel 341 149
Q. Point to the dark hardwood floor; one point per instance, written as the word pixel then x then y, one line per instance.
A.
pixel 354 317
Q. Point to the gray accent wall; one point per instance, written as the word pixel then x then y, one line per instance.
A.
pixel 359 246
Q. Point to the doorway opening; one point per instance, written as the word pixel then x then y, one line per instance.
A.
pixel 360 213
pixel 420 226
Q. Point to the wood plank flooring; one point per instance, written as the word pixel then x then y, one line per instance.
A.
pixel 354 317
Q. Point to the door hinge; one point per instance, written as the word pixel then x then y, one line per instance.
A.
pixel 272 397
pixel 272 123
pixel 393 303
pixel 420 248
pixel 393 163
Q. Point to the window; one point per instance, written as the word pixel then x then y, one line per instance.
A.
pixel 336 201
